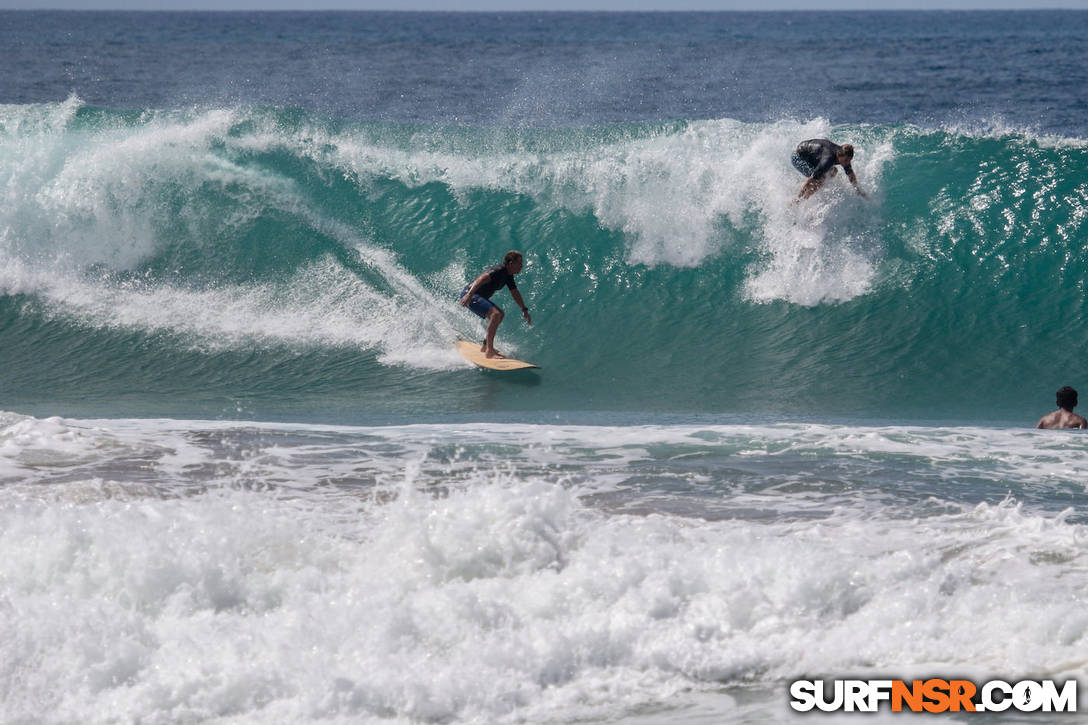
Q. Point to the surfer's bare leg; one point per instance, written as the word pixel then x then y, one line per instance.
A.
pixel 810 187
pixel 494 319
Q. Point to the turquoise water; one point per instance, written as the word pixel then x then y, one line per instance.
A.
pixel 245 478
pixel 279 264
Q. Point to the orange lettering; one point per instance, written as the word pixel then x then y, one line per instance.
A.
pixel 961 693
pixel 936 691
pixel 911 695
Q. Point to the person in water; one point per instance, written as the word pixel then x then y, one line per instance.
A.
pixel 1064 417
pixel 818 159
pixel 477 297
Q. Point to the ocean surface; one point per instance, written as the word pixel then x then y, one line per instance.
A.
pixel 246 478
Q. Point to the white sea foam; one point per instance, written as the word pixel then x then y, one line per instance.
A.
pixel 441 573
pixel 323 303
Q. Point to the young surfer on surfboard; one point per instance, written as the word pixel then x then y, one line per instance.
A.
pixel 477 297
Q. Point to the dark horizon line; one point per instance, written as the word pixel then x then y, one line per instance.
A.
pixel 526 11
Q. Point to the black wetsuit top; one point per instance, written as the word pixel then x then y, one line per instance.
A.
pixel 820 154
pixel 498 278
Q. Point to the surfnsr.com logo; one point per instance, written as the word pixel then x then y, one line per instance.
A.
pixel 933 695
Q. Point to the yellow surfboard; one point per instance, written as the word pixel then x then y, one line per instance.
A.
pixel 471 352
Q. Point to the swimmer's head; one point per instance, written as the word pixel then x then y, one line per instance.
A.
pixel 1067 398
pixel 847 151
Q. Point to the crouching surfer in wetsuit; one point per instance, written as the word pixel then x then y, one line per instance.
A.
pixel 477 297
pixel 817 159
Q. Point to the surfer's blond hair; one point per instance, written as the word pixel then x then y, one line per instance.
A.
pixel 511 256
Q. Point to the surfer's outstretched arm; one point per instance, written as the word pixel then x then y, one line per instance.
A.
pixel 854 180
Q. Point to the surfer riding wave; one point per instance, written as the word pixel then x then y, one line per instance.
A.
pixel 477 297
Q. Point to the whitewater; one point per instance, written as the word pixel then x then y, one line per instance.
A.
pixel 246 478
pixel 179 572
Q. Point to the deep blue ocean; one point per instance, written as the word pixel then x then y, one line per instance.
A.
pixel 246 478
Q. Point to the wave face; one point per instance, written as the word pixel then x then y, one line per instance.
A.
pixel 275 262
